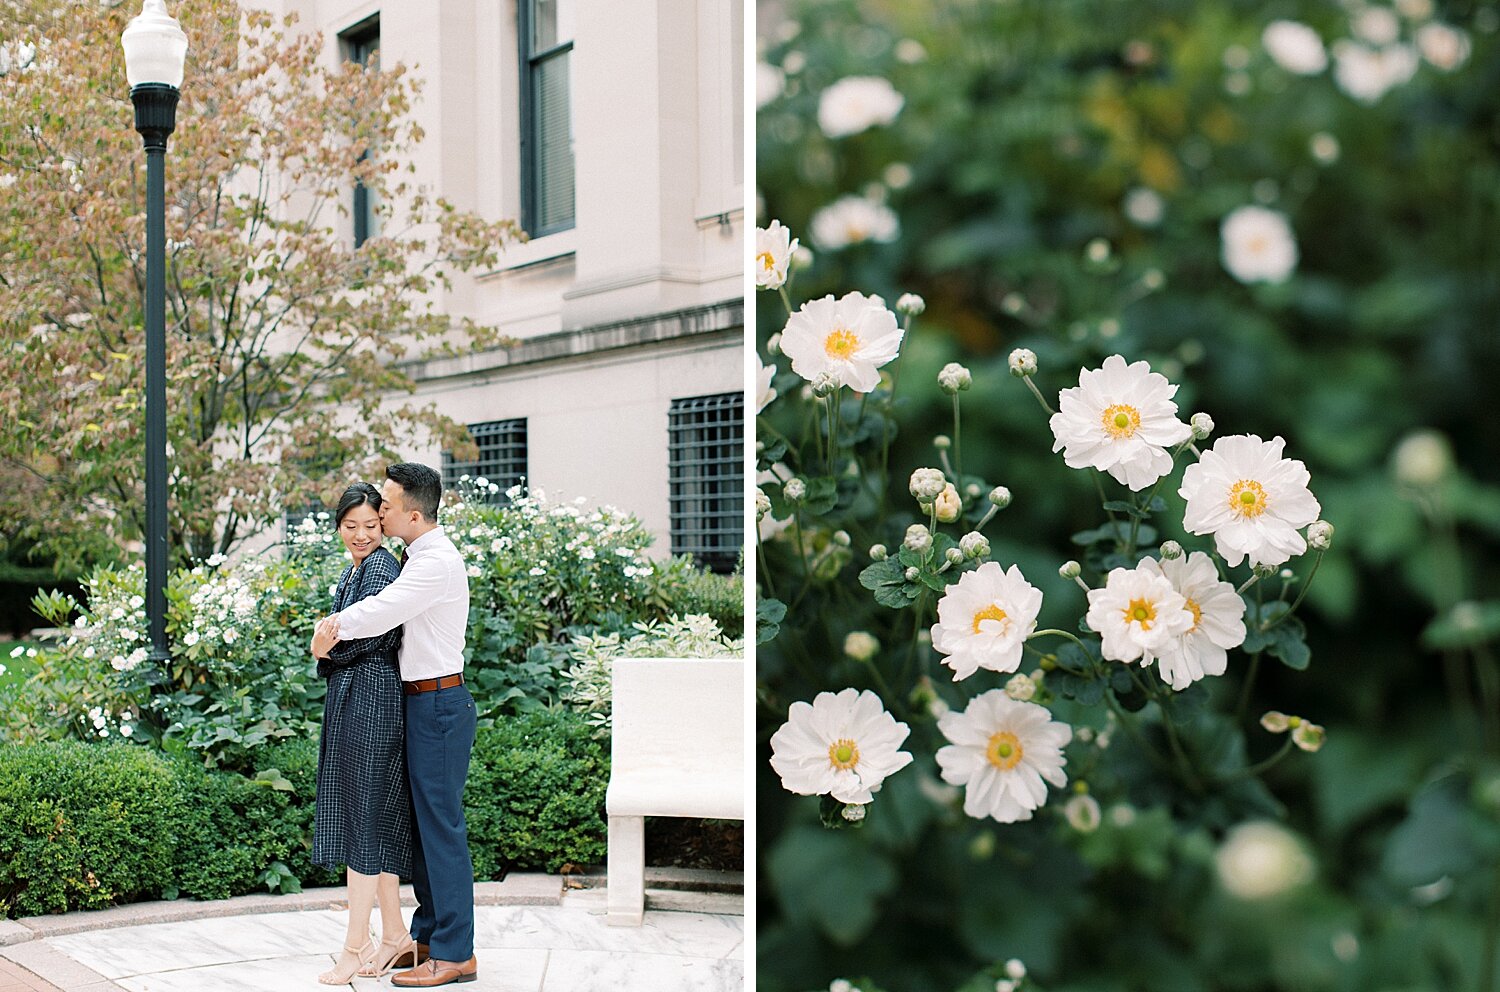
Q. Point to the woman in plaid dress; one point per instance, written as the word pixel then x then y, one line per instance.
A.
pixel 363 817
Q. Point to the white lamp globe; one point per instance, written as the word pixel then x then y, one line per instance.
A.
pixel 155 47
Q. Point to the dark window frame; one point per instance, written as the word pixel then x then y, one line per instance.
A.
pixel 356 44
pixel 506 435
pixel 705 478
pixel 530 180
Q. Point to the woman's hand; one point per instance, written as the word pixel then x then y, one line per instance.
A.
pixel 325 636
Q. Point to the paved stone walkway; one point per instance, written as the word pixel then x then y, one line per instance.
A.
pixel 531 935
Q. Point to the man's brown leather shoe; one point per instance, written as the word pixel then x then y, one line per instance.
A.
pixel 434 972
pixel 422 953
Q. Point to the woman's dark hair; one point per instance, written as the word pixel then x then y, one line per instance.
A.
pixel 359 494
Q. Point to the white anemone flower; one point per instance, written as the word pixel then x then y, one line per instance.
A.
pixel 1251 499
pixel 1262 860
pixel 1257 245
pixel 1003 752
pixel 984 620
pixel 1445 47
pixel 852 220
pixel 764 391
pixel 1119 419
pixel 843 745
pixel 1367 74
pixel 849 338
pixel 1138 615
pixel 1295 47
pixel 773 252
pixel 1218 620
pixel 857 103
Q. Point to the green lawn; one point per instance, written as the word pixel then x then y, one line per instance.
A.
pixel 16 669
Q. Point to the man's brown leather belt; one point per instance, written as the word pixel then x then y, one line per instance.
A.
pixel 432 685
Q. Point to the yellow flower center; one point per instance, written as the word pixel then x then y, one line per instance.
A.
pixel 1247 498
pixel 1197 615
pixel 1004 751
pixel 840 343
pixel 843 754
pixel 1141 611
pixel 766 261
pixel 1121 421
pixel 991 612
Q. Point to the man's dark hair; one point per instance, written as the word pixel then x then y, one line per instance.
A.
pixel 421 484
pixel 357 495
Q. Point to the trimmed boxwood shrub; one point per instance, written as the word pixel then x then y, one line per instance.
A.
pixel 84 826
pixel 535 796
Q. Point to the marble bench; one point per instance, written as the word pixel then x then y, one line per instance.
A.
pixel 677 749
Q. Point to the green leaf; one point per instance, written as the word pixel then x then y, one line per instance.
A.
pixel 1289 643
pixel 769 613
pixel 887 579
pixel 772 453
pixel 1127 508
pixel 273 778
pixel 828 879
pixel 822 496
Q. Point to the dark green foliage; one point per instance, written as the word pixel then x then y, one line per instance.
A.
pixel 680 587
pixel 84 826
pixel 535 797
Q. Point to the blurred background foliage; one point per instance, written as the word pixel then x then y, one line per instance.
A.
pixel 1028 131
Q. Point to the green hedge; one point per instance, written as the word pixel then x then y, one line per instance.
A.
pixel 535 797
pixel 84 826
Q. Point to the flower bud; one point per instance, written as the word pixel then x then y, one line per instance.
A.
pixel 842 538
pixel 948 506
pixel 1083 813
pixel 1070 570
pixel 1020 687
pixel 973 491
pixel 854 812
pixel 795 490
pixel 1263 571
pixel 1013 303
pixel 974 545
pixel 1171 551
pixel 878 552
pixel 803 257
pixel 1022 362
pixel 1320 535
pixel 825 384
pixel 999 497
pixel 926 484
pixel 954 378
pixel 773 344
pixel 762 504
pixel 910 304
pixel 861 645
pixel 942 442
pixel 953 556
pixel 1276 722
pixel 1004 984
pixel 911 574
pixel 1202 425
pixel 1309 736
pixel 1153 279
pixel 1015 969
pixel 841 985
pixel 1097 251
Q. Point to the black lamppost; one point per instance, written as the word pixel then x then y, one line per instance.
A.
pixel 155 49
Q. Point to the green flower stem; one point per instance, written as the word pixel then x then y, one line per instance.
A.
pixel 801 549
pixel 1127 723
pixel 890 409
pixel 1185 764
pixel 1305 586
pixel 1491 937
pixel 988 516
pixel 1261 767
pixel 1248 583
pixel 909 670
pixel 958 451
pixel 1135 522
pixel 786 299
pixel 1243 707
pixel 760 555
pixel 1038 394
pixel 1060 633
pixel 833 430
pixel 947 466
pixel 1099 488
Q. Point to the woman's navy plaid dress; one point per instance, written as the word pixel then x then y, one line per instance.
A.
pixel 363 816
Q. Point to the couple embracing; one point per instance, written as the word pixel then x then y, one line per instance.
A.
pixel 398 727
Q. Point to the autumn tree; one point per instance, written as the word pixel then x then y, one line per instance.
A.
pixel 274 319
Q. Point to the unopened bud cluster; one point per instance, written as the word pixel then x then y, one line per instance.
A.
pixel 948 506
pixel 926 484
pixel 910 304
pixel 954 378
pixel 1022 362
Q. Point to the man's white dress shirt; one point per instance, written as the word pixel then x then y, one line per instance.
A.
pixel 431 597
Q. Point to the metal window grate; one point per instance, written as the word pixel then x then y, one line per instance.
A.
pixel 502 456
pixel 705 449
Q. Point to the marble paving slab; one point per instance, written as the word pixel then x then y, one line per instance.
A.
pixel 600 971
pixel 162 947
pixel 684 934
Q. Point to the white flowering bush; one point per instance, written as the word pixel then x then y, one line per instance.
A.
pixel 589 677
pixel 1171 210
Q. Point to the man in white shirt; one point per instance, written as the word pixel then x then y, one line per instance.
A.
pixel 431 597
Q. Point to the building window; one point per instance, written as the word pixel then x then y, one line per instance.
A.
pixel 705 464
pixel 360 45
pixel 502 457
pixel 546 30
